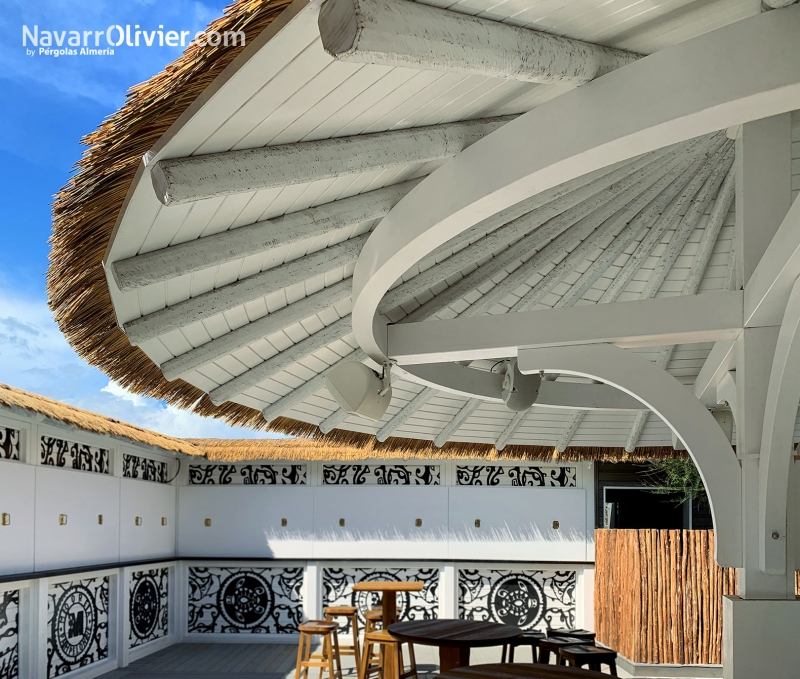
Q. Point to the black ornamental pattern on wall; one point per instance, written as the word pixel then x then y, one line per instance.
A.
pixel 382 474
pixel 9 446
pixel 57 452
pixel 529 599
pixel 337 590
pixel 77 623
pixel 148 606
pixel 135 467
pixel 247 474
pixel 245 600
pixel 521 475
pixel 9 634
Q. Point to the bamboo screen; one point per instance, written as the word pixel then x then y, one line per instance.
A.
pixel 658 595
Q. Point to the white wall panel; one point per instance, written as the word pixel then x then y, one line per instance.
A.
pixel 150 502
pixel 517 523
pixel 17 484
pixel 245 521
pixel 380 522
pixel 82 497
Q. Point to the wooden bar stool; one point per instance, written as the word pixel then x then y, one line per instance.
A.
pixel 554 645
pixel 330 649
pixel 584 634
pixel 591 655
pixel 530 638
pixel 372 656
pixel 391 651
pixel 349 613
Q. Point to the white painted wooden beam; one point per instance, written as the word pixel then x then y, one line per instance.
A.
pixel 256 330
pixel 684 414
pixel 297 352
pixel 686 227
pixel 650 322
pixel 307 389
pixel 245 290
pixel 609 222
pixel 182 180
pixel 455 424
pixel 511 428
pixel 569 430
pixel 401 33
pixel 721 360
pixel 645 222
pixel 334 420
pixel 767 292
pixel 636 430
pixel 544 224
pixel 399 418
pixel 204 253
pixel 777 4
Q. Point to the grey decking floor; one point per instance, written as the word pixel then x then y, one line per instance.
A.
pixel 248 661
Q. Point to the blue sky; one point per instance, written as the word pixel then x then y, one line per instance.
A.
pixel 47 105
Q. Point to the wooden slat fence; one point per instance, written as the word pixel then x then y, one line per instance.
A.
pixel 658 595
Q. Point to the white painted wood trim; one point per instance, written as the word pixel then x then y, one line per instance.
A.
pixel 453 425
pixel 402 416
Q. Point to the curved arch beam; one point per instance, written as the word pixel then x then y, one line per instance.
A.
pixel 682 412
pixel 777 440
pixel 742 72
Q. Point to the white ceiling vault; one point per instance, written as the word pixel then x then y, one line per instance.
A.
pixel 233 272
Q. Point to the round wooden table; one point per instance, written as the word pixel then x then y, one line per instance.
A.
pixel 520 671
pixel 390 588
pixel 454 638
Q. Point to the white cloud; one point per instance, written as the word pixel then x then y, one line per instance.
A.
pixel 35 356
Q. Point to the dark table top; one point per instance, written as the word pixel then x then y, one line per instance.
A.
pixel 520 671
pixel 456 633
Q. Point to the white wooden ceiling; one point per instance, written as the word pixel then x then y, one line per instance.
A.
pixel 290 91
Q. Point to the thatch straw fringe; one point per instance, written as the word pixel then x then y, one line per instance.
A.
pixel 13 398
pixel 85 212
pixel 228 450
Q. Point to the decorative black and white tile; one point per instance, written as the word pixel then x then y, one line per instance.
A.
pixel 58 452
pixel 337 590
pixel 521 475
pixel 245 600
pixel 77 620
pixel 135 467
pixel 9 446
pixel 528 599
pixel 9 634
pixel 261 474
pixel 382 474
pixel 148 605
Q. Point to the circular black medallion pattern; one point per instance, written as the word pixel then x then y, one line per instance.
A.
pixel 74 624
pixel 517 599
pixel 245 600
pixel 145 607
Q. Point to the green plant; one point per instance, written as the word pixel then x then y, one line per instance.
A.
pixel 678 478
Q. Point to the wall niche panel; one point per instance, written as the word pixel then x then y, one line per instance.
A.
pixel 148 606
pixel 529 599
pixel 245 600
pixel 77 623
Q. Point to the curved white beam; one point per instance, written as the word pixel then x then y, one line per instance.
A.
pixel 777 439
pixel 745 71
pixel 682 412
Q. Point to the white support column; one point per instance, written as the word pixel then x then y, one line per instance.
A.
pixel 312 600
pixel 39 629
pixel 763 187
pixel 448 590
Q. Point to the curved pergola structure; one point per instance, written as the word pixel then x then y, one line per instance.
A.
pixel 601 196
